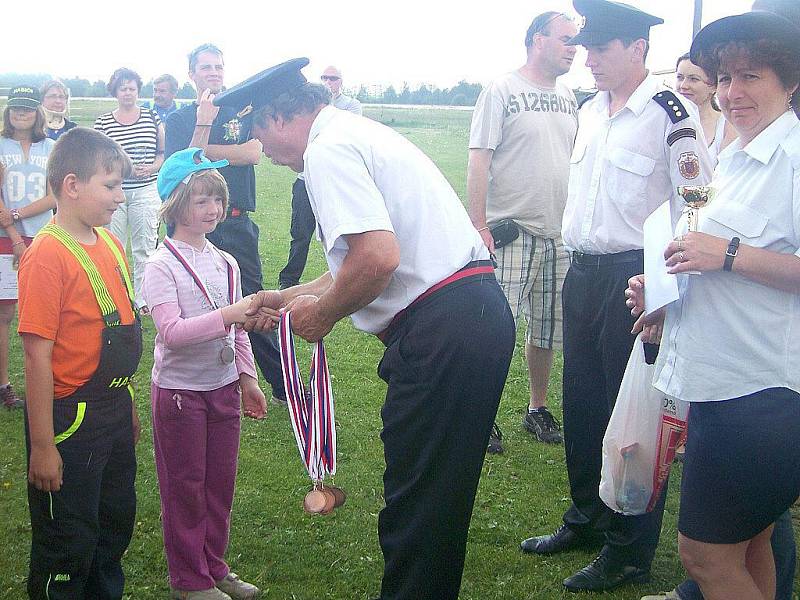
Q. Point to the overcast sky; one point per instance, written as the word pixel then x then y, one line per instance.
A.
pixel 415 41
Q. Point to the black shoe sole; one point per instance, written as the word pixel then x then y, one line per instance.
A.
pixel 636 579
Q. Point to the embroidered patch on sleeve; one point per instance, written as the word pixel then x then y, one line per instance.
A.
pixel 689 165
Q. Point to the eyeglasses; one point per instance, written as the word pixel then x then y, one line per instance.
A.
pixel 330 78
pixel 55 97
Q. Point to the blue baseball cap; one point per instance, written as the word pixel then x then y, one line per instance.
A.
pixel 179 167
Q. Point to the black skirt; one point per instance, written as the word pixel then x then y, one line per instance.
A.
pixel 742 465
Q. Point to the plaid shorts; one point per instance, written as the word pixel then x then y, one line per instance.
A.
pixel 531 271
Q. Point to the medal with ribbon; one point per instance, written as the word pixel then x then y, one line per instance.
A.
pixel 311 412
pixel 226 354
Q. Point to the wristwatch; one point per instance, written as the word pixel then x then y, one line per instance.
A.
pixel 730 254
pixel 15 215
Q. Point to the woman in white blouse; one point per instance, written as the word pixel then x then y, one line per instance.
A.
pixel 731 343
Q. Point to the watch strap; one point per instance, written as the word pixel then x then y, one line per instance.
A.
pixel 730 254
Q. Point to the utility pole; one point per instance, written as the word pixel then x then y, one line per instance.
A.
pixel 698 17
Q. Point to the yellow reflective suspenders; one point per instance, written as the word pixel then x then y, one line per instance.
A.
pixel 107 307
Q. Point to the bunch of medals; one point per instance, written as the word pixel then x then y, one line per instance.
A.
pixel 312 415
pixel 226 352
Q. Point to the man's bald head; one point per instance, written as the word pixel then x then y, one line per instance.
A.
pixel 332 78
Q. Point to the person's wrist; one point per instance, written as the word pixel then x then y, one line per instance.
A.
pixel 730 254
pixel 203 125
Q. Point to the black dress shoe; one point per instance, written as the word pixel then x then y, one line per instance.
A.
pixel 562 539
pixel 604 574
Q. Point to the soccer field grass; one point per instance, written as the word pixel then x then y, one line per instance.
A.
pixel 291 555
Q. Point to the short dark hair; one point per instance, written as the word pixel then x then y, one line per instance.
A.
pixel 541 24
pixel 683 57
pixel 299 101
pixel 37 135
pixel 120 75
pixel 628 41
pixel 167 78
pixel 764 52
pixel 200 49
pixel 83 152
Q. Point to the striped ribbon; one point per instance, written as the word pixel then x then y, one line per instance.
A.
pixel 193 274
pixel 311 411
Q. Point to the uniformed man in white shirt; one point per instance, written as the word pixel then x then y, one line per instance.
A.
pixel 407 265
pixel 303 222
pixel 636 143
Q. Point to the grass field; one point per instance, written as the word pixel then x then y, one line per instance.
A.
pixel 273 543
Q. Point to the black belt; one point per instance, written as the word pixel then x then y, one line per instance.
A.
pixel 605 260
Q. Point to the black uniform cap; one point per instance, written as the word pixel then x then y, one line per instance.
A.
pixel 262 88
pixel 607 20
pixel 751 26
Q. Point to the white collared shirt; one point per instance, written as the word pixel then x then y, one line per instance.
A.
pixel 728 336
pixel 625 166
pixel 363 176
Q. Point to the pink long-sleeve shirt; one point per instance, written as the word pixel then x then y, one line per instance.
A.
pixel 190 331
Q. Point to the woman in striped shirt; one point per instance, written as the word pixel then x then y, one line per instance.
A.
pixel 140 133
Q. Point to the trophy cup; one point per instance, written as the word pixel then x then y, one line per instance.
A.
pixel 695 197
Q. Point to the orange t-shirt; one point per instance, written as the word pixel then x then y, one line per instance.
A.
pixel 56 302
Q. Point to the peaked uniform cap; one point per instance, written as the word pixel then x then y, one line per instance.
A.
pixel 263 87
pixel 606 20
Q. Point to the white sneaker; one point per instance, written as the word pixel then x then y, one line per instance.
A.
pixel 236 588
pixel 209 594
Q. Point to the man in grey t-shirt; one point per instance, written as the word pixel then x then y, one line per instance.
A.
pixel 303 222
pixel 522 134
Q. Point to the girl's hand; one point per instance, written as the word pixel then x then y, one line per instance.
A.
pixel 634 295
pixel 235 313
pixel 46 469
pixel 18 249
pixel 254 403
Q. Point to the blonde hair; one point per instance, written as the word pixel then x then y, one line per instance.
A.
pixel 207 181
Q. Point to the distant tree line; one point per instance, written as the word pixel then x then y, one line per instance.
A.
pixel 462 94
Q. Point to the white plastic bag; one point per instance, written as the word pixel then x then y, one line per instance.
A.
pixel 639 445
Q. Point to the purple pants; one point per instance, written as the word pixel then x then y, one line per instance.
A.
pixel 196 440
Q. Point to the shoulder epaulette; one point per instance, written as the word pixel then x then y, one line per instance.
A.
pixel 586 99
pixel 671 105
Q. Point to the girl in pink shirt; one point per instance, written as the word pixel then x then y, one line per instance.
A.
pixel 203 370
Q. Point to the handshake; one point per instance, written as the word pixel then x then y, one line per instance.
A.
pixel 262 312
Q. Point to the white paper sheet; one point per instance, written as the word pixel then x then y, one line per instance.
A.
pixel 661 287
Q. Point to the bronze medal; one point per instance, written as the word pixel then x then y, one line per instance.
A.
pixel 226 355
pixel 314 502
pixel 338 494
pixel 330 502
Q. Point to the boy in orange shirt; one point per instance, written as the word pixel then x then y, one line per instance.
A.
pixel 82 343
